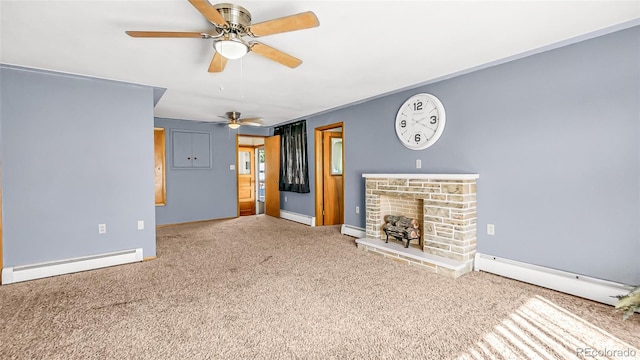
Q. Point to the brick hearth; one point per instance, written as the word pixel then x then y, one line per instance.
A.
pixel 446 205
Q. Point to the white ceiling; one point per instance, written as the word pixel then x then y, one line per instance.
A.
pixel 360 50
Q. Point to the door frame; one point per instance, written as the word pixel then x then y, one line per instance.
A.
pixel 319 169
pixel 251 149
pixel 256 168
pixel 238 136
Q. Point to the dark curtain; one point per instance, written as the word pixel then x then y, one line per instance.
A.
pixel 294 167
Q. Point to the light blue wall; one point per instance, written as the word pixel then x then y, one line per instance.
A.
pixel 253 130
pixel 75 152
pixel 200 194
pixel 554 137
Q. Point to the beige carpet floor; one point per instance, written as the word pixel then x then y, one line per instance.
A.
pixel 265 288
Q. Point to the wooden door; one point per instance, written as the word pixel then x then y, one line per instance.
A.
pixel 159 172
pixel 246 181
pixel 201 150
pixel 272 175
pixel 182 153
pixel 332 177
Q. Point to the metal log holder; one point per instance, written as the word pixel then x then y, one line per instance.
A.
pixel 402 228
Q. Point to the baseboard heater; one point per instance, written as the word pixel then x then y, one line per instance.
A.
pixel 53 268
pixel 574 284
pixel 354 231
pixel 303 219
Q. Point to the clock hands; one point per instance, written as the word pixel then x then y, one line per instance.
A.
pixel 420 122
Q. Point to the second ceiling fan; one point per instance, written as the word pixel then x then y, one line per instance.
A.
pixel 231 23
pixel 234 121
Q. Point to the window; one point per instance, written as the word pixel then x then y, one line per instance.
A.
pixel 261 174
pixel 336 156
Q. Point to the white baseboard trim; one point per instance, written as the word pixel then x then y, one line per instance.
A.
pixel 574 284
pixel 354 231
pixel 303 219
pixel 37 271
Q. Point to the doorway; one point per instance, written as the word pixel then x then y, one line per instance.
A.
pixel 246 181
pixel 329 170
pixel 250 174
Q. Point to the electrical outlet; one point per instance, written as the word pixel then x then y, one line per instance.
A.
pixel 285 199
pixel 418 164
pixel 140 224
pixel 102 228
pixel 357 209
pixel 491 229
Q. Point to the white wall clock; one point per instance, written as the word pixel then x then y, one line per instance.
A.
pixel 420 121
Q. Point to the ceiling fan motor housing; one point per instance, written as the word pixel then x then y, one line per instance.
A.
pixel 239 18
pixel 233 115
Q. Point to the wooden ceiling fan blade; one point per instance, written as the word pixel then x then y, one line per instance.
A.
pixel 251 124
pixel 275 55
pixel 167 34
pixel 252 121
pixel 299 21
pixel 217 63
pixel 210 12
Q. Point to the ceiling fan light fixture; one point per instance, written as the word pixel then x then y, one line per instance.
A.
pixel 234 125
pixel 231 47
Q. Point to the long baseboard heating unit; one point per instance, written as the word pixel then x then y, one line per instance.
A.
pixel 53 268
pixel 303 219
pixel 574 284
pixel 354 231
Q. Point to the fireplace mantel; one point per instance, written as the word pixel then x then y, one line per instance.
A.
pixel 424 176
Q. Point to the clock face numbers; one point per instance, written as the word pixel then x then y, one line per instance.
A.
pixel 420 121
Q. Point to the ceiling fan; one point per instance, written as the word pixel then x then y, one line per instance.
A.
pixel 231 23
pixel 234 121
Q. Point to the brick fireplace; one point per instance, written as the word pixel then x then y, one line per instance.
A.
pixel 444 204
